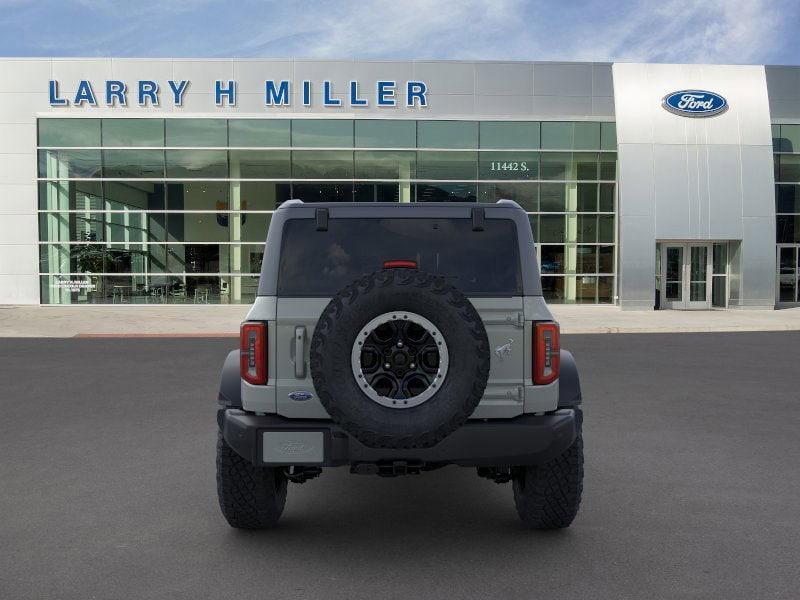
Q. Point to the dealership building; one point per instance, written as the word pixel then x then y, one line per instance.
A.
pixel 152 181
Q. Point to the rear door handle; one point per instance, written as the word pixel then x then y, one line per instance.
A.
pixel 300 352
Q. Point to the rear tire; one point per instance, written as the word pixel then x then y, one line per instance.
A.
pixel 548 496
pixel 250 497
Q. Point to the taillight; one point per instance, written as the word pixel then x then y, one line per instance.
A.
pixel 546 353
pixel 253 352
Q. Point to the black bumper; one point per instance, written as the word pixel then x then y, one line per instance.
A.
pixel 524 440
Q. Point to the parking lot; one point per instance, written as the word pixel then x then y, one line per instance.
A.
pixel 691 491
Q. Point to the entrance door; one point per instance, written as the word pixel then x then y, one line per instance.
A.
pixel 686 276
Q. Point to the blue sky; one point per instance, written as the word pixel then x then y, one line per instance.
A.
pixel 713 31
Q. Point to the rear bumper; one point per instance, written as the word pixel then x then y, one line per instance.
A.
pixel 274 440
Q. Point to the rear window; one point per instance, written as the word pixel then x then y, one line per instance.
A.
pixel 320 263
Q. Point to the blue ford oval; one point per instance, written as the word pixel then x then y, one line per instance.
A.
pixel 695 103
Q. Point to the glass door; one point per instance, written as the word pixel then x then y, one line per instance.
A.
pixel 672 264
pixel 686 275
pixel 788 275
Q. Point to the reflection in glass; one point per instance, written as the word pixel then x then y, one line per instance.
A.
pixel 385 165
pixel 384 133
pixel 133 132
pixel 447 165
pixel 197 164
pixel 447 192
pixel 133 164
pixel 524 194
pixel 447 134
pixel 197 133
pixel 509 165
pixel 260 164
pixel 65 133
pixel 322 133
pixel 509 134
pixel 258 133
pixel 63 164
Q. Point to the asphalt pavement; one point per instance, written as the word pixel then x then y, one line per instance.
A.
pixel 692 485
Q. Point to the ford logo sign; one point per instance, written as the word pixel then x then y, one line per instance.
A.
pixel 300 396
pixel 695 103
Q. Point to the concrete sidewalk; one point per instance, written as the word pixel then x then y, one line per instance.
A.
pixel 223 320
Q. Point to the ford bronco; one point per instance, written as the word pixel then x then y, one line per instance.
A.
pixel 396 339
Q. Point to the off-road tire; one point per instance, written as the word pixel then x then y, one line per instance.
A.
pixel 250 497
pixel 548 496
pixel 388 290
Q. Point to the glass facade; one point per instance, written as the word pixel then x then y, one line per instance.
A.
pixel 786 148
pixel 176 210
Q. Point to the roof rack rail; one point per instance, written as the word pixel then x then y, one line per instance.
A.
pixel 292 202
pixel 507 202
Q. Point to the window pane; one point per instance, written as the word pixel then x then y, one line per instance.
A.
pixel 553 197
pixel 605 232
pixel 380 133
pixel 197 132
pixel 587 197
pixel 787 262
pixel 789 170
pixel 197 163
pixel 776 138
pixel 198 289
pixel 586 289
pixel 134 226
pixel 62 164
pixel 553 289
pixel 509 165
pixel 586 259
pixel 71 227
pixel 608 136
pixel 605 259
pixel 790 138
pixel 557 135
pixel 587 136
pixel 606 197
pixel 199 227
pixel 509 134
pixel 534 221
pixel 322 133
pixel 556 165
pixel 132 195
pixel 447 165
pixel 323 192
pixel 605 290
pixel 787 198
pixel 260 164
pixel 69 132
pixel 322 164
pixel 552 259
pixel 132 164
pixel 608 166
pixel 587 229
pixel 447 134
pixel 270 133
pixel 788 229
pixel 385 165
pixel 261 195
pixel 720 265
pixel 524 194
pixel 133 132
pixel 198 195
pixel 552 229
pixel 585 166
pixel 446 192
pixel 383 192
pixel 70 195
pixel 255 226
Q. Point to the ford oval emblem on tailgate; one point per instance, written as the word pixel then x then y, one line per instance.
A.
pixel 300 396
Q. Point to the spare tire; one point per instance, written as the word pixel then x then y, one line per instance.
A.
pixel 400 359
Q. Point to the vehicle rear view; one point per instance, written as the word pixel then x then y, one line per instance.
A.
pixel 396 339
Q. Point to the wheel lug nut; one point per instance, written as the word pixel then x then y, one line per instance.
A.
pixel 386 366
pixel 412 366
pixel 399 344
